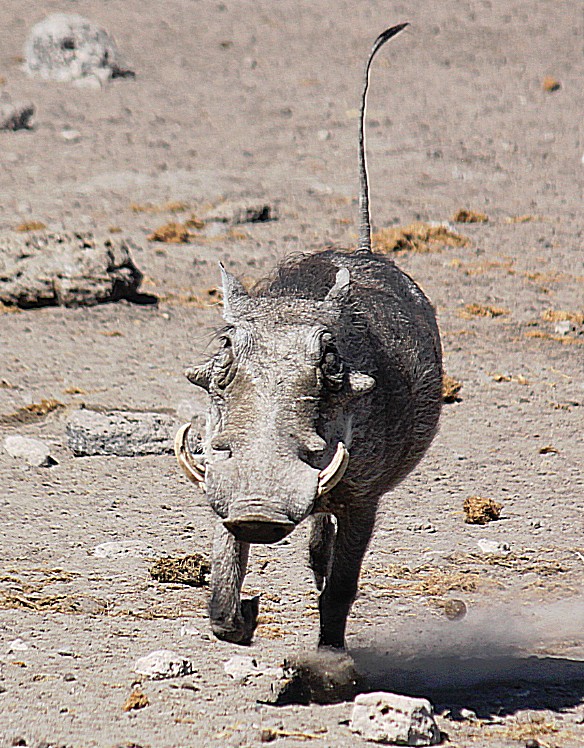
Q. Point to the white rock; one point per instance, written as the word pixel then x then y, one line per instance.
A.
pixel 390 718
pixel 163 663
pixel 120 548
pixel 492 546
pixel 71 136
pixel 68 47
pixel 564 327
pixel 33 451
pixel 17 645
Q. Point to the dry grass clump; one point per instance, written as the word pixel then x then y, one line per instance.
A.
pixel 526 218
pixel 417 237
pixel 561 315
pixel 33 412
pixel 517 378
pixel 565 339
pixel 30 226
pixel 170 233
pixel 469 311
pixel 463 215
pixel 479 511
pixel 192 570
pixel 450 389
pixel 9 309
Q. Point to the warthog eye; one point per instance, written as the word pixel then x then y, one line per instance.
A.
pixel 332 367
pixel 224 368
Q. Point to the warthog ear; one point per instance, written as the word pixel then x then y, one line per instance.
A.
pixel 361 383
pixel 234 294
pixel 339 293
pixel 200 375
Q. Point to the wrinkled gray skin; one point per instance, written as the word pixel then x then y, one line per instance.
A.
pixel 310 358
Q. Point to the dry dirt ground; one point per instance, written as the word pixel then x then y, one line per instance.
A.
pixel 253 103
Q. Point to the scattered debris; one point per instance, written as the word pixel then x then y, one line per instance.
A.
pixel 121 433
pixel 16 116
pixel 33 451
pixel 171 233
pixel 479 511
pixel 30 226
pixel 192 570
pixel 67 269
pixel 450 389
pixel 136 700
pixel 240 668
pixel 550 84
pixel 517 378
pixel 268 734
pixel 68 47
pixel 463 215
pixel 418 237
pixel 122 548
pixel 31 413
pixel 391 718
pixel 163 663
pixel 320 678
pixel 469 311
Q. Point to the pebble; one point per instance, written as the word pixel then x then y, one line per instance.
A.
pixel 121 548
pixel 33 451
pixel 492 546
pixel 564 327
pixel 391 718
pixel 71 136
pixel 163 663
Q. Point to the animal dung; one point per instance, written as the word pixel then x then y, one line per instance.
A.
pixel 480 511
pixel 192 570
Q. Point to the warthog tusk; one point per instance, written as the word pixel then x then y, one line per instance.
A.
pixel 334 471
pixel 194 471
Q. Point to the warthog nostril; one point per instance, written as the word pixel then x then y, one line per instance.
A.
pixel 255 528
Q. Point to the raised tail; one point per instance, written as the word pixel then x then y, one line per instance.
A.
pixel 364 215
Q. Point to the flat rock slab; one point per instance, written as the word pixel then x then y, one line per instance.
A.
pixel 33 451
pixel 393 719
pixel 120 433
pixel 69 47
pixel 66 269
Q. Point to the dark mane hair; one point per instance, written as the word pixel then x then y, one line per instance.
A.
pixel 305 276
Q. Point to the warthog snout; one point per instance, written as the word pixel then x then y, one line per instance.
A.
pixel 259 528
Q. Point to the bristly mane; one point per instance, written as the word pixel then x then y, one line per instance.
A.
pixel 305 276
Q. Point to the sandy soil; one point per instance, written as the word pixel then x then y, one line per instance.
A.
pixel 256 102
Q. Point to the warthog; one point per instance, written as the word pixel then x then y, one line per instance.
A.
pixel 325 393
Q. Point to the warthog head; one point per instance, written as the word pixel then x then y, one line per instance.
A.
pixel 277 435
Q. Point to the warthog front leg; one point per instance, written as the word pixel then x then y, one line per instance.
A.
pixel 322 538
pixel 232 619
pixel 352 538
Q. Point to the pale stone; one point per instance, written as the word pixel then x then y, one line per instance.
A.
pixel 394 719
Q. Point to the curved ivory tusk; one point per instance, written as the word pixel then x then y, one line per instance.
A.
pixel 194 471
pixel 334 471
